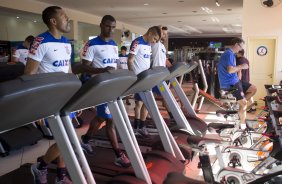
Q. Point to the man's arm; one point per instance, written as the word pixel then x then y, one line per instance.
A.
pixel 87 68
pixel 240 75
pixel 130 61
pixel 235 69
pixel 31 66
pixel 167 63
pixel 70 69
pixel 15 57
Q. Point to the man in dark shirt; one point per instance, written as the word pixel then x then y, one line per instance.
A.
pixel 244 75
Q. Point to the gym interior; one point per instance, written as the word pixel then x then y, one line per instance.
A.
pixel 196 130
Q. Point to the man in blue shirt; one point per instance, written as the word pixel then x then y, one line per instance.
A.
pixel 227 75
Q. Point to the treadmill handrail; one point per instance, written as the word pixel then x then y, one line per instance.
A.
pixel 34 97
pixel 99 89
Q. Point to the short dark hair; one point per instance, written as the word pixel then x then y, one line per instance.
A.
pixel 242 52
pixel 164 28
pixel 155 30
pixel 237 40
pixel 108 17
pixel 49 13
pixel 123 48
pixel 29 39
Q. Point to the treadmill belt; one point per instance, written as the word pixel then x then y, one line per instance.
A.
pixel 23 175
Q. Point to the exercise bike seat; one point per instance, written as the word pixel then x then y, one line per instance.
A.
pixel 218 127
pixel 197 141
pixel 279 92
pixel 225 112
pixel 279 100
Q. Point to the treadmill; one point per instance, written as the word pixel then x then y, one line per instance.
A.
pixel 28 96
pixel 187 125
pixel 157 164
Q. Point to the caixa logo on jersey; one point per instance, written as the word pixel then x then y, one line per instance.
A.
pixel 109 60
pixel 146 56
pixel 60 63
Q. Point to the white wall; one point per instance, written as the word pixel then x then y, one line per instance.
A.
pixel 13 29
pixel 37 7
pixel 259 21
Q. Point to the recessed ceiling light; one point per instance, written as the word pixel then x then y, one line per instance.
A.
pixel 146 4
pixel 217 3
pixel 34 21
pixel 18 17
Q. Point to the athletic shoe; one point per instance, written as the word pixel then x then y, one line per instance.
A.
pixel 122 161
pixel 65 180
pixel 143 131
pixel 40 176
pixel 86 147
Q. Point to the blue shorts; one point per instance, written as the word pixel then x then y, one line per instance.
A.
pixel 242 87
pixel 156 90
pixel 137 97
pixel 103 111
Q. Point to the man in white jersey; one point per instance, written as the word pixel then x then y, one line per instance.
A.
pixel 122 64
pixel 21 52
pixel 51 52
pixel 122 61
pixel 100 55
pixel 159 59
pixel 159 51
pixel 138 61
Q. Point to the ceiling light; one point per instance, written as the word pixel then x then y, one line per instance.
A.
pixel 18 17
pixel 34 21
pixel 146 4
pixel 217 3
pixel 214 19
pixel 207 10
pixel 237 25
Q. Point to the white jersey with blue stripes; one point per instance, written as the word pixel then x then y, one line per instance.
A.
pixel 101 53
pixel 122 61
pixel 158 54
pixel 142 51
pixel 53 54
pixel 21 53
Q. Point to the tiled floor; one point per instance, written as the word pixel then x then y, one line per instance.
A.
pixel 29 154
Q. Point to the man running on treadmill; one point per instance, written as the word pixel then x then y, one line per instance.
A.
pixel 100 55
pixel 227 75
pixel 21 52
pixel 51 52
pixel 138 61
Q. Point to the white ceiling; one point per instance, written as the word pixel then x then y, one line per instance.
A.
pixel 183 17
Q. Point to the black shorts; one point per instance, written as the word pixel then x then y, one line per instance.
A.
pixel 242 87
